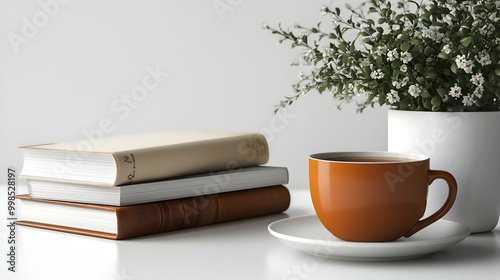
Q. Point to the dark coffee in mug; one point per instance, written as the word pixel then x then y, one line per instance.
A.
pixel 370 159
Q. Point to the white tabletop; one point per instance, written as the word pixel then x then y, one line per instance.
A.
pixel 236 250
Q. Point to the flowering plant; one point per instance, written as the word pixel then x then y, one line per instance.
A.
pixel 423 56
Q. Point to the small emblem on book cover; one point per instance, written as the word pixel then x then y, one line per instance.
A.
pixel 130 160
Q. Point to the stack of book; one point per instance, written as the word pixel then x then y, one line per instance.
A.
pixel 135 185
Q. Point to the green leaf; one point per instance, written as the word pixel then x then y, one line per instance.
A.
pixel 404 104
pixel 454 68
pixel 419 67
pixel 425 94
pixel 404 37
pixel 411 16
pixel 427 104
pixel 322 88
pixel 384 12
pixel 371 97
pixel 340 87
pixel 395 73
pixel 442 92
pixel 342 46
pixel 415 41
pixel 345 59
pixel 381 99
pixel 454 29
pixel 443 55
pixel 428 51
pixel 368 41
pixel 497 71
pixel 396 64
pixel 466 41
pixel 436 101
pixel 435 108
pixel 405 46
pixel 430 73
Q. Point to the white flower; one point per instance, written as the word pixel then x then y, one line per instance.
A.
pixel 464 64
pixel 365 62
pixel 477 79
pixel 405 81
pixel 377 74
pixel 396 84
pixel 327 51
pixel 406 57
pixel 403 68
pixel 446 49
pixel 455 91
pixel 479 91
pixel 414 90
pixel 432 32
pixel 392 55
pixel 381 50
pixel 468 100
pixel 393 96
pixel 323 10
pixel 308 57
pixel 451 3
pixel 463 6
pixel 350 87
pixel 483 58
pixel 327 54
pixel 408 26
pixel 364 27
pixel 301 76
pixel 486 29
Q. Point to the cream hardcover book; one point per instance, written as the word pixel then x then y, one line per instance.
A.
pixel 146 157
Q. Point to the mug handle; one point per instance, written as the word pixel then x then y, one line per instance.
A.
pixel 452 194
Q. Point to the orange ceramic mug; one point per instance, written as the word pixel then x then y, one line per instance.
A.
pixel 374 196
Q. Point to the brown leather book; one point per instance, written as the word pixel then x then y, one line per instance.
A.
pixel 151 218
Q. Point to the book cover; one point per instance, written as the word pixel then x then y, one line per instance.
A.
pixel 122 222
pixel 145 157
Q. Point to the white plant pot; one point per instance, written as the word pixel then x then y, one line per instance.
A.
pixel 465 144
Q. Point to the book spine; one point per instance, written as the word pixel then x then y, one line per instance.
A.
pixel 151 218
pixel 183 159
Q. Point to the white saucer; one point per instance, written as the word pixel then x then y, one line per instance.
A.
pixel 309 235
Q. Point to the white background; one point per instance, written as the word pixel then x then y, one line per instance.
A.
pixel 66 67
pixel 224 72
